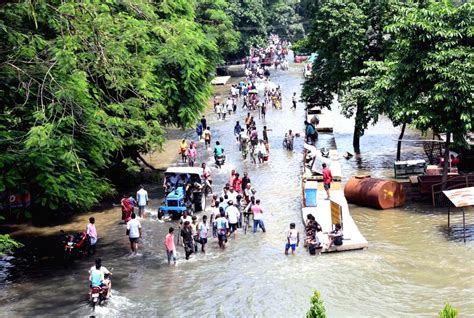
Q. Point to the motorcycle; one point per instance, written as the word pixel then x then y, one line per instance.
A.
pixel 75 245
pixel 220 160
pixel 98 295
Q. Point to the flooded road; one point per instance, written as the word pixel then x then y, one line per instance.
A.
pixel 410 269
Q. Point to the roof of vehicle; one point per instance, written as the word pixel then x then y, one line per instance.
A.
pixel 189 170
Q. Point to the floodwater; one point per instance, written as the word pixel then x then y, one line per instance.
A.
pixel 412 267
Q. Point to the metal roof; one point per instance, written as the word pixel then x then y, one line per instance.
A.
pixel 190 170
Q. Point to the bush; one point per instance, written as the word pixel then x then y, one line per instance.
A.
pixel 317 309
pixel 7 244
pixel 448 312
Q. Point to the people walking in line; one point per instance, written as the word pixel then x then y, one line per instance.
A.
pixel 257 216
pixel 203 230
pixel 142 199
pixel 194 230
pixel 188 241
pixel 207 137
pixel 127 208
pixel 293 239
pixel 218 110
pixel 222 228
pixel 203 121
pixel 327 179
pixel 183 149
pixel 192 154
pixel 134 232
pixel 233 215
pixel 294 99
pixel 170 247
pixel 199 129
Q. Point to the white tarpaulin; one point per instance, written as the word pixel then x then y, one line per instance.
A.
pixel 461 197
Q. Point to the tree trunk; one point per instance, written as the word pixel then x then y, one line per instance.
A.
pixel 356 140
pixel 145 163
pixel 446 160
pixel 399 143
pixel 357 128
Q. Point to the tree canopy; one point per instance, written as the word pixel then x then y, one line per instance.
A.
pixel 88 86
pixel 411 61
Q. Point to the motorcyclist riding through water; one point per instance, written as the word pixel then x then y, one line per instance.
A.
pixel 99 277
pixel 219 154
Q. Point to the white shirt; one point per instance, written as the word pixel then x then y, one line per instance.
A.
pixel 233 214
pixel 142 197
pixel 134 226
pixel 232 196
pixel 203 229
pixel 293 236
pixel 102 269
pixel 188 218
pixel 216 213
pixel 218 108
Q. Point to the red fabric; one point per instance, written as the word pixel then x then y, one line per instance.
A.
pixel 237 184
pixel 327 175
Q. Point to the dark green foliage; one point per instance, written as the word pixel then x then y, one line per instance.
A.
pixel 88 85
pixel 8 245
pixel 256 19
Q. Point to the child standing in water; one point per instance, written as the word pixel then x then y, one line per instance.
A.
pixel 293 239
pixel 170 248
pixel 92 233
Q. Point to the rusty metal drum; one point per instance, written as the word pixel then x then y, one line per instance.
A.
pixel 374 192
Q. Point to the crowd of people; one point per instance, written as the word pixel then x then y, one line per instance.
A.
pixel 236 204
pixel 230 211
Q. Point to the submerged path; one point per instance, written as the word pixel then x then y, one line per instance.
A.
pixel 409 270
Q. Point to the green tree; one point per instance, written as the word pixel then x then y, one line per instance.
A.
pixel 428 74
pixel 86 88
pixel 346 34
pixel 218 26
pixel 285 21
pixel 317 309
pixel 250 19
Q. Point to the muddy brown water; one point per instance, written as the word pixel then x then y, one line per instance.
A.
pixel 413 264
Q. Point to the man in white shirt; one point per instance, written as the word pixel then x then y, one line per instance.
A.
pixel 134 232
pixel 218 109
pixel 232 194
pixel 207 137
pixel 233 215
pixel 142 199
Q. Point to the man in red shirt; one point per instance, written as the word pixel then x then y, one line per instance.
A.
pixel 327 179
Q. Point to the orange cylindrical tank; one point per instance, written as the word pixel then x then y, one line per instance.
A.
pixel 375 193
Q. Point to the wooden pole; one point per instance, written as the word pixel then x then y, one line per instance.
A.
pixel 449 214
pixel 464 223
